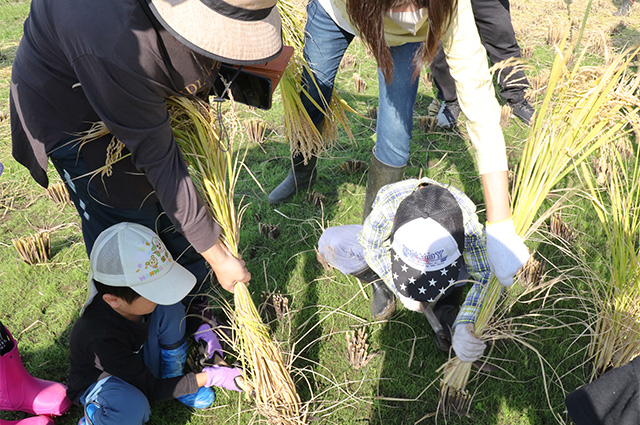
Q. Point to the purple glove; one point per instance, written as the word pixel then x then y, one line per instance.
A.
pixel 206 334
pixel 222 376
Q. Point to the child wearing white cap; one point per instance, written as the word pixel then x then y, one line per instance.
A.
pixel 422 242
pixel 128 347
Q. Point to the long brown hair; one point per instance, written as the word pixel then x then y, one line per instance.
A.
pixel 367 16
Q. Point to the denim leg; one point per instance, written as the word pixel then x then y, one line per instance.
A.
pixel 118 402
pixel 166 330
pixel 395 107
pixel 324 46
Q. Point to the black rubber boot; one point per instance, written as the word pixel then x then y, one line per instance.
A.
pixel 380 174
pixel 383 302
pixel 301 176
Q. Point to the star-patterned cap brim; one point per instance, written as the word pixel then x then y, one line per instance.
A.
pixel 423 285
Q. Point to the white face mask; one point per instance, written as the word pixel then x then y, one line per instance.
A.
pixel 410 21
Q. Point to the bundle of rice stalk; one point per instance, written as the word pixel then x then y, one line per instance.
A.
pixel 216 170
pixel 616 337
pixel 304 138
pixel 579 113
pixel 34 249
pixel 58 193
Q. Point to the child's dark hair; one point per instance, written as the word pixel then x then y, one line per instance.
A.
pixel 124 292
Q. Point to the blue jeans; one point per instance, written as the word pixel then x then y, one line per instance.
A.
pixel 324 46
pixel 120 403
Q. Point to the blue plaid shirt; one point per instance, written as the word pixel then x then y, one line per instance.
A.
pixel 376 233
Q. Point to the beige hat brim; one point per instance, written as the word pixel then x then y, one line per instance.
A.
pixel 219 37
pixel 171 288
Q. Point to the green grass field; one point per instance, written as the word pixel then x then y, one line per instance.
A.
pixel 399 385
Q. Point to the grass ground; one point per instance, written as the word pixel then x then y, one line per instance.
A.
pixel 399 385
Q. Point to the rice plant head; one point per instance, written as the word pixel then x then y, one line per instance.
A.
pixel 616 199
pixel 303 136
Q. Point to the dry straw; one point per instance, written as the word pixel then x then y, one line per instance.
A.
pixel 359 84
pixel 256 130
pixel 58 193
pixel 616 337
pixel 216 169
pixel 34 249
pixel 579 113
pixel 303 136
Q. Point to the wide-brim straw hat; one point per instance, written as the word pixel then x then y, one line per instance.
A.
pixel 242 32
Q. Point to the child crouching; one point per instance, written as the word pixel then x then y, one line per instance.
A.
pixel 128 347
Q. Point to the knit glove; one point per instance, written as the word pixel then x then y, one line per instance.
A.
pixel 206 335
pixel 222 376
pixel 466 345
pixel 506 251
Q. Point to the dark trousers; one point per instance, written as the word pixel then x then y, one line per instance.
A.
pixel 493 20
pixel 97 214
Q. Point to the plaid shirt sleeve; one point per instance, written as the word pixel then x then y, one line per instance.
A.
pixel 376 230
pixel 475 256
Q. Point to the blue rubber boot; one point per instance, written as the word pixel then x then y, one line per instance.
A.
pixel 172 364
pixel 89 410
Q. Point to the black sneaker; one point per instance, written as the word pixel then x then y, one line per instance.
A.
pixel 523 110
pixel 448 114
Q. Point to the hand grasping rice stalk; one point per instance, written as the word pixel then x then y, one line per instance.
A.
pixel 303 136
pixel 216 170
pixel 579 113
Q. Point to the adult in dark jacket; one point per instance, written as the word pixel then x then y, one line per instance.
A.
pixel 612 399
pixel 117 61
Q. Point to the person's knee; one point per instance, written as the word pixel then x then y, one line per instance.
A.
pixel 120 403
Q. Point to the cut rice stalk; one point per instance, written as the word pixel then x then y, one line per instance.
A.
pixel 216 169
pixel 303 136
pixel 34 249
pixel 579 113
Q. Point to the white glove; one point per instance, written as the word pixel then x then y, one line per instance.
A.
pixel 505 250
pixel 467 346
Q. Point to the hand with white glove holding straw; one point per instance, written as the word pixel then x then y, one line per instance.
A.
pixel 467 346
pixel 506 251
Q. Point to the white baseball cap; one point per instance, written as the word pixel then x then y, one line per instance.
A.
pixel 129 254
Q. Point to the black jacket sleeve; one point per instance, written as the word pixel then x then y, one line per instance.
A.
pixel 612 399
